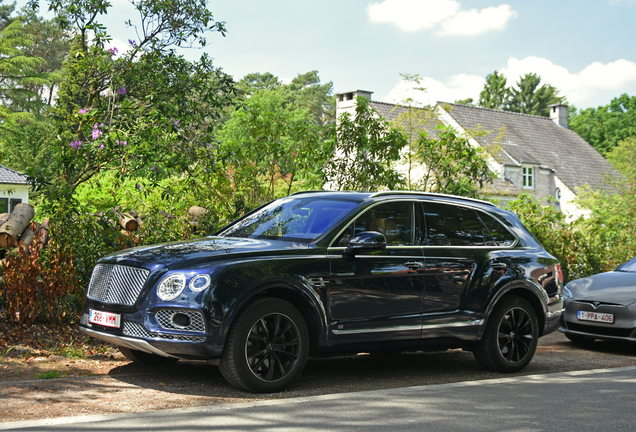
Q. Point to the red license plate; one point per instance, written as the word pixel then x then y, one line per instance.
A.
pixel 594 316
pixel 106 319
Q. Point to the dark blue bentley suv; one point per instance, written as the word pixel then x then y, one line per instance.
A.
pixel 332 273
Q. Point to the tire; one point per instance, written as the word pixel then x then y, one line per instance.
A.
pixel 147 359
pixel 266 348
pixel 578 339
pixel 510 338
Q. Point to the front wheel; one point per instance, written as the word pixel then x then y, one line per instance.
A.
pixel 266 348
pixel 510 338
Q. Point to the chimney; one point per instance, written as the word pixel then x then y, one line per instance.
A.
pixel 347 99
pixel 559 114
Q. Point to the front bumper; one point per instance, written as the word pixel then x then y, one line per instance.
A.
pixel 622 329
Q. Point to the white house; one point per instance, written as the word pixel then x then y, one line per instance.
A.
pixel 14 189
pixel 537 155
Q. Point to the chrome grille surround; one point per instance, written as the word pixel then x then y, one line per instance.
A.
pixel 116 284
pixel 197 322
pixel 135 329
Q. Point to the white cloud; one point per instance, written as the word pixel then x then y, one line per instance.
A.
pixel 444 15
pixel 473 22
pixel 456 87
pixel 578 87
pixel 596 82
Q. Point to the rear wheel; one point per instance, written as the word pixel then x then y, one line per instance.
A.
pixel 510 338
pixel 578 339
pixel 144 358
pixel 266 348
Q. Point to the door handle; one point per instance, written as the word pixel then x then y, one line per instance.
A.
pixel 413 265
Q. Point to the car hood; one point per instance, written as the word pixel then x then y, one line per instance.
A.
pixel 177 255
pixel 610 287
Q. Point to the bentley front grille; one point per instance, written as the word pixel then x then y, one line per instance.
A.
pixel 135 329
pixel 117 284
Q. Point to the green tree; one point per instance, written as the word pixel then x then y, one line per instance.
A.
pixel 450 164
pixel 623 157
pixel 495 93
pixel 531 97
pixel 604 127
pixel 254 82
pixel 269 149
pixel 149 112
pixel 364 151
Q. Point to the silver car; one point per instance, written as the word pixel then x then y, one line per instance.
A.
pixel 602 306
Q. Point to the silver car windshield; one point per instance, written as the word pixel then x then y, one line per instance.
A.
pixel 293 219
pixel 629 266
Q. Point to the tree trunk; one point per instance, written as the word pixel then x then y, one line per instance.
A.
pixel 128 222
pixel 17 222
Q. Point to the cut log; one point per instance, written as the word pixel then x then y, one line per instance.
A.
pixel 29 234
pixel 20 218
pixel 128 222
pixel 4 217
pixel 43 234
pixel 197 212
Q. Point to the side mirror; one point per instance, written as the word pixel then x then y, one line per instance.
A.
pixel 365 241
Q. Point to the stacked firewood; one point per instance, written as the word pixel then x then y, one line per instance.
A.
pixel 17 228
pixel 130 221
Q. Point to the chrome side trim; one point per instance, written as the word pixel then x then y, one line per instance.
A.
pixel 379 329
pixel 453 324
pixel 135 344
pixel 412 327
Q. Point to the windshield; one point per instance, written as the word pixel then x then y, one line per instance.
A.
pixel 292 219
pixel 629 266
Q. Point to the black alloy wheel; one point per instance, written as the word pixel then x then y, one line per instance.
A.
pixel 266 348
pixel 510 338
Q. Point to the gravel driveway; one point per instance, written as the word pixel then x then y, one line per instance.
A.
pixel 111 384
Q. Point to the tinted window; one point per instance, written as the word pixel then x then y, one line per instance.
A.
pixel 500 235
pixel 394 220
pixel 291 219
pixel 629 266
pixel 449 225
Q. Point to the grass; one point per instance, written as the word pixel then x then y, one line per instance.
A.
pixel 48 375
pixel 4 354
pixel 73 352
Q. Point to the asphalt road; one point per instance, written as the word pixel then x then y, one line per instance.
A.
pixel 594 400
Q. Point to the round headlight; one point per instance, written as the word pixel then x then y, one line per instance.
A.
pixel 171 286
pixel 200 282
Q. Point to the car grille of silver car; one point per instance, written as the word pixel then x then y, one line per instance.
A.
pixel 135 329
pixel 116 284
pixel 166 320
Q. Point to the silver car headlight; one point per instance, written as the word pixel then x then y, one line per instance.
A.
pixel 171 286
pixel 567 294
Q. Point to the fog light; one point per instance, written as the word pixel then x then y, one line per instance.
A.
pixel 180 320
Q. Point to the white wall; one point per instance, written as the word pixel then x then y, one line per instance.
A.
pixel 11 191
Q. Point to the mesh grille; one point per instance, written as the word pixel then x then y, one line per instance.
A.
pixel 116 284
pixel 197 323
pixel 135 329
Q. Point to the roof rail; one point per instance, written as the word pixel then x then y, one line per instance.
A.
pixel 307 191
pixel 434 194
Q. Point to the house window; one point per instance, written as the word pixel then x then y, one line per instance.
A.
pixel 4 205
pixel 14 202
pixel 528 177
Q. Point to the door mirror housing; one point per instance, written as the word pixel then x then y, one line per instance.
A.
pixel 366 241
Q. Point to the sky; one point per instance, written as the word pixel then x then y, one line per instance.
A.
pixel 585 48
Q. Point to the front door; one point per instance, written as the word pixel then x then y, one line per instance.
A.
pixel 378 294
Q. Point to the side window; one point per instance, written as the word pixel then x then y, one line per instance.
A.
pixel 14 202
pixel 394 220
pixel 450 225
pixel 500 235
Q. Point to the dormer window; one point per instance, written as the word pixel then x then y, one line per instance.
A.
pixel 528 177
